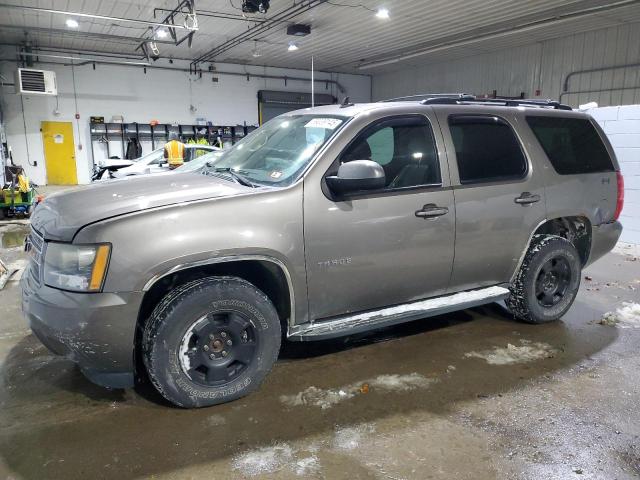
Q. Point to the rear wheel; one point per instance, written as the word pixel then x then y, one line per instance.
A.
pixel 211 341
pixel 548 280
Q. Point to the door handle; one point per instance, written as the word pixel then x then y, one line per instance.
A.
pixel 527 198
pixel 431 210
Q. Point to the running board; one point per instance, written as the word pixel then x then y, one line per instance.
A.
pixel 360 322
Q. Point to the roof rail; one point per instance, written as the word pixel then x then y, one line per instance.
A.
pixel 468 99
pixel 425 96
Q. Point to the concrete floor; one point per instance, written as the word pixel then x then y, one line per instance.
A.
pixel 471 395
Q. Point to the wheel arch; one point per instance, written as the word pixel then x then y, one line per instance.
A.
pixel 267 273
pixel 577 229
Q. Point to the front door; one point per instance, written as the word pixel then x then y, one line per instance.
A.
pixel 381 248
pixel 59 153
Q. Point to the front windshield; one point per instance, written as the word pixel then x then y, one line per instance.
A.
pixel 278 151
pixel 199 162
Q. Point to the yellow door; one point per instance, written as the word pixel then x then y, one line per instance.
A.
pixel 59 153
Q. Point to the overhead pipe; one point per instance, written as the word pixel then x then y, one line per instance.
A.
pixel 220 15
pixel 72 33
pixel 613 89
pixel 88 61
pixel 475 38
pixel 83 60
pixel 565 83
pixel 99 17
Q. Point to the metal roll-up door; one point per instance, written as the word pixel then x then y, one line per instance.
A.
pixel 272 103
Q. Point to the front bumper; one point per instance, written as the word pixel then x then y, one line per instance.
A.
pixel 95 330
pixel 604 238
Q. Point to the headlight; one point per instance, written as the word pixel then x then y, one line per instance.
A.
pixel 79 268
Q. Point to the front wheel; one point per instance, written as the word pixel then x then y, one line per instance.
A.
pixel 211 341
pixel 548 280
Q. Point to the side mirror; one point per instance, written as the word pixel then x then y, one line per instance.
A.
pixel 357 175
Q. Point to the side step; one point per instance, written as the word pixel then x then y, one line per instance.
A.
pixel 360 322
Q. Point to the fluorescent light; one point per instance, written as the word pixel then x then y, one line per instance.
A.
pixel 256 52
pixel 382 13
pixel 161 33
pixel 292 47
pixel 71 23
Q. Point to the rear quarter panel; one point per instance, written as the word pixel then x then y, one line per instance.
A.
pixel 590 195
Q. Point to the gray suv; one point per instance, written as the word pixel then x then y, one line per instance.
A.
pixel 322 223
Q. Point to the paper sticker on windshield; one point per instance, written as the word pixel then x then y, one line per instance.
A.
pixel 275 174
pixel 327 123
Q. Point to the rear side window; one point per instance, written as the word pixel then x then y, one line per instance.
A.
pixel 487 149
pixel 572 145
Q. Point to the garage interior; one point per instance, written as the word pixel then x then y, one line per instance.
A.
pixel 471 394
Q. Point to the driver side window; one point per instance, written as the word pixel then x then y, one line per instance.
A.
pixel 404 147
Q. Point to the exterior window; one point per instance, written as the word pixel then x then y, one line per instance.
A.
pixel 487 149
pixel 572 145
pixel 404 147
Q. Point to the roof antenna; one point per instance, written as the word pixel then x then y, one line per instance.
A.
pixel 346 103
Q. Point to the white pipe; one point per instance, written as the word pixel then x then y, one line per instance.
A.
pixel 313 84
pixel 101 17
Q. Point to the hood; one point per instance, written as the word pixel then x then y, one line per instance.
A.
pixel 62 214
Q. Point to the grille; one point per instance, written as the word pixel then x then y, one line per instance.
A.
pixel 36 241
pixel 32 81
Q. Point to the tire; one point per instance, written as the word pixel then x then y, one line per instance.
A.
pixel 211 341
pixel 548 280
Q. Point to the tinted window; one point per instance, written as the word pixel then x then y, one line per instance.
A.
pixel 572 144
pixel 486 149
pixel 404 147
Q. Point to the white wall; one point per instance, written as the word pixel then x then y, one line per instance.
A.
pixel 537 66
pixel 162 95
pixel 622 126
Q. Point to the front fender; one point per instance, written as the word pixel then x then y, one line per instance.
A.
pixel 150 244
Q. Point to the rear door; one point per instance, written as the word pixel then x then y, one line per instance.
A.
pixel 499 196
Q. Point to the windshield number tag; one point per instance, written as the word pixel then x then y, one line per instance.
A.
pixel 326 123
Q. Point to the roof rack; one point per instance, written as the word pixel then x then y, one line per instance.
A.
pixel 426 96
pixel 468 99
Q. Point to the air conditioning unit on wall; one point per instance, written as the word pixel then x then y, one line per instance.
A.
pixel 35 82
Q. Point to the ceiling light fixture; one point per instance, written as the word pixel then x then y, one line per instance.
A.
pixel 162 33
pixel 292 47
pixel 382 13
pixel 255 53
pixel 71 23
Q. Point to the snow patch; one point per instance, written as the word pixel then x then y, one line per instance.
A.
pixel 327 398
pixel 306 466
pixel 627 316
pixel 512 354
pixel 349 438
pixel 275 459
pixel 627 249
pixel 433 303
pixel 264 460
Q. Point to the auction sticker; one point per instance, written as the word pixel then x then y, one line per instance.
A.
pixel 326 123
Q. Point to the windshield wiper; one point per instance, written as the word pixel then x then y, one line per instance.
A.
pixel 241 179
